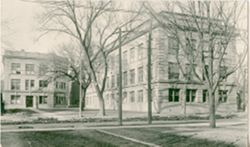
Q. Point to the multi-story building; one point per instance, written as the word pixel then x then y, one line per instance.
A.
pixel 171 91
pixel 26 83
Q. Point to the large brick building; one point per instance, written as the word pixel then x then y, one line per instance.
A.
pixel 26 84
pixel 170 90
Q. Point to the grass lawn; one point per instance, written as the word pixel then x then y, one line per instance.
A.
pixel 156 136
pixel 88 138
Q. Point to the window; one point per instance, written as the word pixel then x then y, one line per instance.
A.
pixel 29 69
pixel 223 72
pixel 43 99
pixel 107 98
pixel 112 81
pixel 173 45
pixel 140 51
pixel 140 96
pixel 132 96
pixel 60 99
pixel 204 96
pixel 125 97
pixel 32 83
pixel 59 85
pixel 112 62
pixel 191 45
pixel 29 84
pixel 125 78
pixel 173 71
pixel 189 73
pixel 62 85
pixel 15 99
pixel 140 74
pixel 190 95
pixel 117 80
pixel 132 54
pixel 43 83
pixel 15 84
pixel 16 68
pixel 132 76
pixel 125 58
pixel 222 96
pixel 113 97
pixel 117 62
pixel 173 95
pixel 43 69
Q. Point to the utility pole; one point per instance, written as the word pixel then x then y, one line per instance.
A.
pixel 149 78
pixel 80 87
pixel 120 79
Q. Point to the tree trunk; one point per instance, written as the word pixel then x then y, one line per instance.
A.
pixel 212 119
pixel 83 98
pixel 101 100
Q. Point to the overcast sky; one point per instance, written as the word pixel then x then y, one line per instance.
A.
pixel 22 24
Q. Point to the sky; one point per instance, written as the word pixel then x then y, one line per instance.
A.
pixel 20 29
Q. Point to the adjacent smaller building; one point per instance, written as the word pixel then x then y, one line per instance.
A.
pixel 26 83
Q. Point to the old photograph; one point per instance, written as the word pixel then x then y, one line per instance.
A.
pixel 113 73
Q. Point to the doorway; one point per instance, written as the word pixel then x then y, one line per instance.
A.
pixel 29 101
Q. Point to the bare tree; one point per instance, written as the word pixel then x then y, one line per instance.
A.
pixel 65 63
pixel 93 26
pixel 205 32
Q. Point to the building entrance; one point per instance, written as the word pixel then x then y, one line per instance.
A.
pixel 29 101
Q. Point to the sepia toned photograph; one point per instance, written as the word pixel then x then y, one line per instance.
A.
pixel 113 73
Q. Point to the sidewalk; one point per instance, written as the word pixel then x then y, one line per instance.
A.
pixel 230 131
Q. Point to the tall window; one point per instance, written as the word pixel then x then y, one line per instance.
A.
pixel 204 96
pixel 132 96
pixel 43 99
pixel 132 76
pixel 112 81
pixel 29 84
pixel 15 84
pixel 191 46
pixel 140 51
pixel 223 72
pixel 62 85
pixel 140 74
pixel 132 55
pixel 189 73
pixel 173 45
pixel 43 69
pixel 140 96
pixel 190 95
pixel 30 69
pixel 43 83
pixel 15 99
pixel 125 78
pixel 16 68
pixel 125 97
pixel 173 71
pixel 173 95
pixel 60 99
pixel 222 96
pixel 125 58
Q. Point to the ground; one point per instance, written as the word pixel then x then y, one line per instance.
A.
pixel 183 133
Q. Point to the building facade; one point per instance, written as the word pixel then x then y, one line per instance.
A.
pixel 26 84
pixel 171 92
